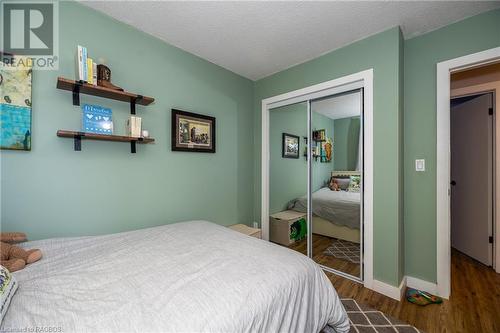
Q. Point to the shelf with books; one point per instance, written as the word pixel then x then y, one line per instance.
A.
pixel 319 135
pixel 97 121
pixel 79 136
pixel 80 87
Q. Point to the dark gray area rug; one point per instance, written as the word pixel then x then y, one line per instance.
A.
pixel 364 319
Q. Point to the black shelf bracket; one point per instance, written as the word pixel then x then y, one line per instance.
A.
pixel 132 147
pixel 78 142
pixel 133 102
pixel 76 92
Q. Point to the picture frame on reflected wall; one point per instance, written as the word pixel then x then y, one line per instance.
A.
pixel 290 146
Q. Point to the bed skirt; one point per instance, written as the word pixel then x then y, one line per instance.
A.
pixel 326 228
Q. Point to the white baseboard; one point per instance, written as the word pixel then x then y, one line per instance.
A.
pixel 422 285
pixel 398 293
pixel 389 290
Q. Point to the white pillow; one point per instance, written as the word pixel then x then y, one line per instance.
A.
pixel 8 286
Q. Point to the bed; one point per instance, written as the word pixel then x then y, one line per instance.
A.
pixel 335 213
pixel 191 276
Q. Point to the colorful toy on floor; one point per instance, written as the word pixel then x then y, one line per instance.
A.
pixel 13 257
pixel 421 297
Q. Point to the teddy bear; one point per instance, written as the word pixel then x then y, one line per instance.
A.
pixel 334 185
pixel 13 257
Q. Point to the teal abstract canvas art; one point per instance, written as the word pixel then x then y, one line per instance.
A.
pixel 15 104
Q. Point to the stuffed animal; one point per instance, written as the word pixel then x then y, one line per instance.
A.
pixel 13 257
pixel 334 185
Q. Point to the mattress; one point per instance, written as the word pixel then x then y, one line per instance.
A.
pixel 192 276
pixel 339 207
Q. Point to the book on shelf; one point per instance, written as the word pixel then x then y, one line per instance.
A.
pixel 81 63
pixel 97 119
pixel 90 71
pixel 86 68
pixel 94 73
pixel 84 63
pixel 133 126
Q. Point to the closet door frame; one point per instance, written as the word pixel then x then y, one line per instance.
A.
pixel 361 80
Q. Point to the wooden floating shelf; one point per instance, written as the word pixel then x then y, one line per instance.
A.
pixel 79 136
pixel 103 137
pixel 84 88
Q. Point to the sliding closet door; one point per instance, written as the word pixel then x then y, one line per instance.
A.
pixel 336 183
pixel 288 176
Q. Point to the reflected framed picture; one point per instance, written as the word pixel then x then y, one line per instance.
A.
pixel 192 132
pixel 290 146
pixel 15 102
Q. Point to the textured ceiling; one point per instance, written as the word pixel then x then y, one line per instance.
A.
pixel 339 106
pixel 257 39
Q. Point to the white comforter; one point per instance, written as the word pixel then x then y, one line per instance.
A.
pixel 339 207
pixel 190 277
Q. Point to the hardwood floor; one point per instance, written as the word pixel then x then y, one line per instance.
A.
pixel 474 305
pixel 319 245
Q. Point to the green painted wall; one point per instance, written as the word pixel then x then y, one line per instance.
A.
pixel 382 53
pixel 287 176
pixel 422 53
pixel 346 143
pixel 54 191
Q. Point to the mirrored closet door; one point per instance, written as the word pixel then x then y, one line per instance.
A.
pixel 336 186
pixel 316 180
pixel 288 176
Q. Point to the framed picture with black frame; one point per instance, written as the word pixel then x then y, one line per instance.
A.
pixel 290 146
pixel 192 132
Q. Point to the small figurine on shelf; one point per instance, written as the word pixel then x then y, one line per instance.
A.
pixel 104 78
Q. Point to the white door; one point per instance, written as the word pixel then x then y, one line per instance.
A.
pixel 472 176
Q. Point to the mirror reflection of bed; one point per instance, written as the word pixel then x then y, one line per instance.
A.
pixel 335 225
pixel 335 183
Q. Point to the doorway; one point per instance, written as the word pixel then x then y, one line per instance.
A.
pixel 472 174
pixel 444 71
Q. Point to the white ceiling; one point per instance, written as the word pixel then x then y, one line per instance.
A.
pixel 340 106
pixel 257 39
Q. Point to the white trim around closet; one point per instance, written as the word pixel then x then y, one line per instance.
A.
pixel 443 160
pixel 358 80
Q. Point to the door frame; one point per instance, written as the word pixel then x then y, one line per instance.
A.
pixel 443 160
pixel 480 89
pixel 363 79
pixel 470 91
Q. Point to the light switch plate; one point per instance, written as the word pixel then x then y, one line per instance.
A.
pixel 420 165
